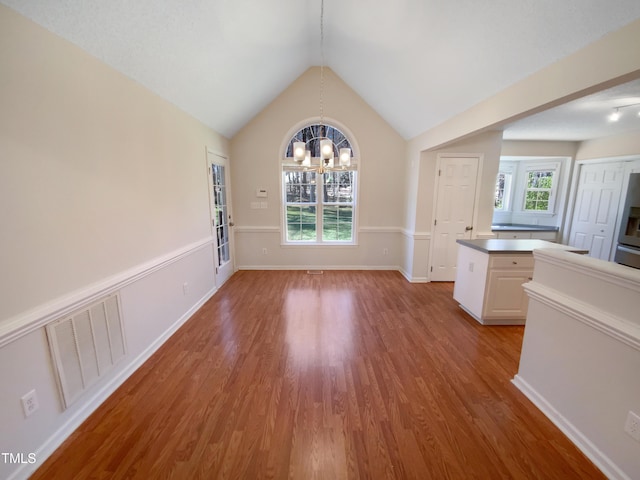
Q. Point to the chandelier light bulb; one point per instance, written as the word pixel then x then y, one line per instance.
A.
pixel 345 157
pixel 299 151
pixel 615 116
pixel 326 149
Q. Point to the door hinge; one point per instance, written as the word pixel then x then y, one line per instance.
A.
pixel 431 270
pixel 435 222
pixel 439 172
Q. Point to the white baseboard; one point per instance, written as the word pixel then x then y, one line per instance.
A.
pixel 55 440
pixel 411 279
pixel 318 267
pixel 600 460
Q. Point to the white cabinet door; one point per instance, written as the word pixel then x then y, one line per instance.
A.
pixel 505 297
pixel 594 219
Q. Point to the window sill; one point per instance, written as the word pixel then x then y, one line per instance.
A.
pixel 533 212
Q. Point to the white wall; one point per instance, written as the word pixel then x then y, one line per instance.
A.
pixel 607 147
pixel 256 152
pixel 581 354
pixel 103 186
pixel 485 144
pixel 98 174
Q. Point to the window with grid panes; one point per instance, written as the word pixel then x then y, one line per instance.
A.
pixel 318 207
pixel 539 190
pixel 504 182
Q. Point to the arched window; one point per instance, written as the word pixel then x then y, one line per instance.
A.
pixel 319 192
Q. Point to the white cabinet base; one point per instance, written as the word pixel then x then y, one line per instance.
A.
pixel 489 286
pixel 494 321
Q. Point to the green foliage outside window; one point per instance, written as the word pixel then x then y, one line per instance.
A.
pixel 336 223
pixel 538 193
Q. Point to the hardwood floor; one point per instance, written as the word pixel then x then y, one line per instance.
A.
pixel 343 375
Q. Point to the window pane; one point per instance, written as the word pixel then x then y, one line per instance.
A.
pixel 337 224
pixel 540 179
pixel 537 200
pixel 308 232
pixel 330 188
pixel 293 213
pixel 499 198
pixel 345 214
pixel 294 232
pixel 311 136
pixel 301 223
pixel 346 187
pixel 338 187
pixel 330 215
pixel 300 187
pixel 308 214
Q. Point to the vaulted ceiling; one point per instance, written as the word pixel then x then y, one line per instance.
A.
pixel 416 62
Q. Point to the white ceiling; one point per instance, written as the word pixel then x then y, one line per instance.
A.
pixel 583 119
pixel 416 62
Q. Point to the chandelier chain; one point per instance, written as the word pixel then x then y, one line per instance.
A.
pixel 321 63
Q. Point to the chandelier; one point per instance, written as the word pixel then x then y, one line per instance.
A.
pixel 301 154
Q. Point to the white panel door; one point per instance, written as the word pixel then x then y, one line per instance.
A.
pixel 221 223
pixel 593 226
pixel 457 178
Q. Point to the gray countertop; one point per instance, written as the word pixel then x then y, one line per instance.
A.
pixel 520 227
pixel 496 245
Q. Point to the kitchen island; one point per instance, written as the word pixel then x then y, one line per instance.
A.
pixel 490 274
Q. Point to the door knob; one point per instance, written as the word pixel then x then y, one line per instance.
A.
pixel 466 229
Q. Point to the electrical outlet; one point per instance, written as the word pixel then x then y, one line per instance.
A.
pixel 632 425
pixel 185 288
pixel 385 251
pixel 471 266
pixel 264 251
pixel 29 403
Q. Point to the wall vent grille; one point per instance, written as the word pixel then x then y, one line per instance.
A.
pixel 85 345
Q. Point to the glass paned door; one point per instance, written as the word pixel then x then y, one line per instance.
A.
pixel 221 216
pixel 221 220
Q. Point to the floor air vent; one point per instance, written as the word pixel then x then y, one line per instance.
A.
pixel 85 345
